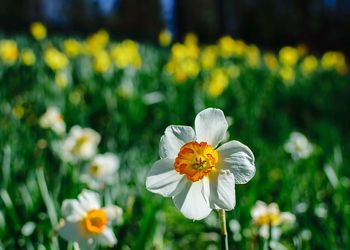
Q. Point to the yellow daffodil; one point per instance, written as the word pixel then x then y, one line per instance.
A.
pixel 96 41
pixel 126 54
pixel 217 83
pixel 252 55
pixel 270 61
pixel 72 47
pixel 288 56
pixel 194 172
pixel 230 47
pixel 334 60
pixel 55 59
pixel 208 57
pixel 87 223
pixel 102 61
pixel 287 74
pixel 38 30
pixel 165 38
pixel 309 65
pixel 28 57
pixel 8 51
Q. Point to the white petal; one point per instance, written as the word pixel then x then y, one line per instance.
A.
pixel 107 238
pixel 89 200
pixel 173 139
pixel 222 190
pixel 192 202
pixel 211 126
pixel 70 231
pixel 239 159
pixel 163 179
pixel 72 210
pixel 114 213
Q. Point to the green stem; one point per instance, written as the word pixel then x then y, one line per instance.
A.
pixel 224 238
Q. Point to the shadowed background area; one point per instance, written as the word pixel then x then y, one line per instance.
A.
pixel 320 24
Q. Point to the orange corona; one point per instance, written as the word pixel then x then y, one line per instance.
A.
pixel 95 221
pixel 196 160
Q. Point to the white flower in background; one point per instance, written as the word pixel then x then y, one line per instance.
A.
pixel 53 119
pixel 194 172
pixel 86 223
pixel 266 216
pixel 80 144
pixel 298 146
pixel 100 171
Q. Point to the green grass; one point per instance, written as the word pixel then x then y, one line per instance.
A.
pixel 34 181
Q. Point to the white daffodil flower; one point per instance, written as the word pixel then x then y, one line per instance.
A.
pixel 80 144
pixel 86 223
pixel 100 171
pixel 195 172
pixel 298 146
pixel 270 215
pixel 53 119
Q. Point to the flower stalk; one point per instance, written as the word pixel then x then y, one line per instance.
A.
pixel 224 238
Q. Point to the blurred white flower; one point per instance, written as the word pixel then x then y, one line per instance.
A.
pixel 321 210
pixel 86 223
pixel 100 171
pixel 194 172
pixel 298 146
pixel 53 119
pixel 80 144
pixel 270 215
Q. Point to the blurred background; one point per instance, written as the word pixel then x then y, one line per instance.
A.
pixel 320 24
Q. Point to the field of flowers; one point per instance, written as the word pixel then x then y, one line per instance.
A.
pixel 83 116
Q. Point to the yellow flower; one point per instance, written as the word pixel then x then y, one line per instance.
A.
pixel 230 47
pixel 28 57
pixel 208 57
pixel 287 74
pixel 55 59
pixel 126 54
pixel 38 30
pixel 217 83
pixel 165 38
pixel 270 61
pixel 8 51
pixel 309 65
pixel 252 56
pixel 102 61
pixel 334 60
pixel 72 47
pixel 288 56
pixel 96 41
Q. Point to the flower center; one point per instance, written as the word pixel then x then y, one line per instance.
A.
pixel 94 170
pixel 196 160
pixel 95 221
pixel 80 142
